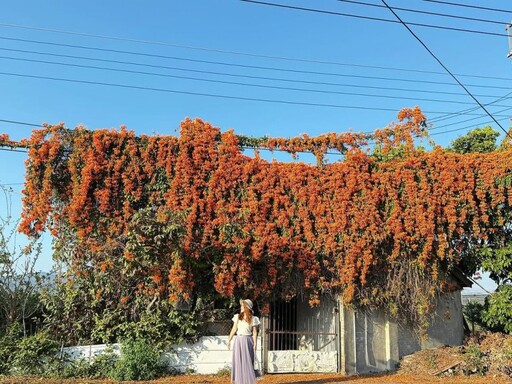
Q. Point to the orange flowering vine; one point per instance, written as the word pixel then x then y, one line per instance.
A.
pixel 360 227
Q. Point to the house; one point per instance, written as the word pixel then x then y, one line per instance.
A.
pixel 337 338
pixel 327 338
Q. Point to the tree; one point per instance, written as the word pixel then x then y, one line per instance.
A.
pixel 480 140
pixel 20 282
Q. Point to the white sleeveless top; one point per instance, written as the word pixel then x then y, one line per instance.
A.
pixel 244 329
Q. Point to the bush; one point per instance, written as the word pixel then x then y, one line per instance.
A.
pixel 36 356
pixel 103 365
pixel 474 312
pixel 139 361
pixel 100 366
pixel 8 345
pixel 224 372
pixel 474 361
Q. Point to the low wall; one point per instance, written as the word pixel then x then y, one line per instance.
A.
pixel 209 355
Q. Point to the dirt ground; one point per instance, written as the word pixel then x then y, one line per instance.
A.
pixel 484 358
pixel 294 379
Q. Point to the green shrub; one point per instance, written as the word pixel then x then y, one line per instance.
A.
pixel 101 366
pixel 139 361
pixel 36 356
pixel 76 368
pixel 474 361
pixel 8 346
pixel 224 372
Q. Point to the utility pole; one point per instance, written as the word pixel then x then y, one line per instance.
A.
pixel 507 28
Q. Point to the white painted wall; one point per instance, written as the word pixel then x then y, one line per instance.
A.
pixel 209 355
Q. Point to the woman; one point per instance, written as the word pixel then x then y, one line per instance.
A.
pixel 245 325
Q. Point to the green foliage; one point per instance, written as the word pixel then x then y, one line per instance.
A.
pixel 224 372
pixel 481 140
pixel 498 261
pixel 432 357
pixel 474 361
pixel 391 153
pixel 8 345
pixel 108 306
pixel 36 355
pixel 101 366
pixel 498 314
pixel 139 360
pixel 474 313
pixel 20 282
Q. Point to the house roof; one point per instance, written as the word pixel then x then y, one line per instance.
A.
pixel 461 278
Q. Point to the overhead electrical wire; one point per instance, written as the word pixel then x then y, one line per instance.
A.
pixel 20 123
pixel 465 111
pixel 165 90
pixel 237 75
pixel 445 68
pixel 287 70
pixel 163 43
pixel 315 10
pixel 426 12
pixel 250 54
pixel 13 150
pixel 182 92
pixel 464 128
pixel 465 121
pixel 237 83
pixel 509 11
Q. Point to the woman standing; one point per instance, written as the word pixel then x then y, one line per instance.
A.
pixel 245 325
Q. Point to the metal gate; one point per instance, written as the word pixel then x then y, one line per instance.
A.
pixel 302 339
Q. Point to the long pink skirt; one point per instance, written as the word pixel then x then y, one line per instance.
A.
pixel 242 371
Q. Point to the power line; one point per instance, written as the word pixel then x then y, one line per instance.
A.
pixel 243 98
pixel 469 6
pixel 426 12
pixel 465 111
pixel 237 75
pixel 13 150
pixel 163 43
pixel 214 62
pixel 20 123
pixel 126 86
pixel 374 18
pixel 287 70
pixel 464 128
pixel 236 83
pixel 445 68
pixel 465 121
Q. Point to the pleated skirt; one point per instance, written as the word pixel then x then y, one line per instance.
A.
pixel 242 371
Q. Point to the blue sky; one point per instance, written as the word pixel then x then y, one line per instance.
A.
pixel 326 59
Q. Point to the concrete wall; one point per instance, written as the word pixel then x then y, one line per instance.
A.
pixel 209 355
pixel 368 342
pixel 447 327
pixel 371 342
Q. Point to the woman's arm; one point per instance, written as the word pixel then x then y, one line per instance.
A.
pixel 232 333
pixel 255 336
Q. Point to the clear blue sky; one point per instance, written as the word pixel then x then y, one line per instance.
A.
pixel 351 49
